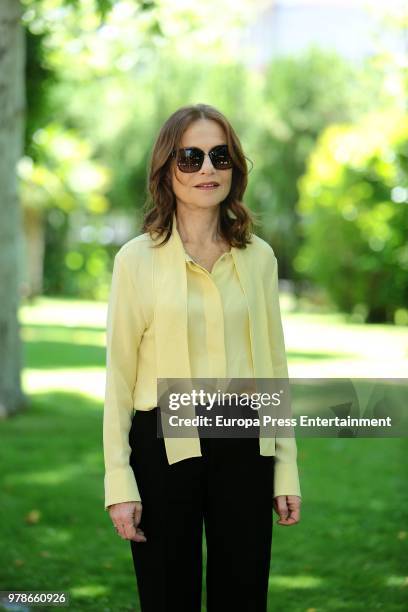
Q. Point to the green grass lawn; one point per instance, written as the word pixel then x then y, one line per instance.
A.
pixel 349 552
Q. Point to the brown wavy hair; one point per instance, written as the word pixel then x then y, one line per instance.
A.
pixel 236 220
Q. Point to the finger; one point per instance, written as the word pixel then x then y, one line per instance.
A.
pixel 133 533
pixel 292 518
pixel 120 530
pixel 139 536
pixel 137 516
pixel 295 514
pixel 287 522
pixel 294 509
pixel 282 509
pixel 294 502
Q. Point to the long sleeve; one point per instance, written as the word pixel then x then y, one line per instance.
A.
pixel 125 326
pixel 286 469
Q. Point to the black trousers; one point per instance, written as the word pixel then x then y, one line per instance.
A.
pixel 229 490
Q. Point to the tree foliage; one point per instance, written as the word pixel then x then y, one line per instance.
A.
pixel 354 208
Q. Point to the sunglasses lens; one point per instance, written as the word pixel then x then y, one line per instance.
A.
pixel 221 158
pixel 190 160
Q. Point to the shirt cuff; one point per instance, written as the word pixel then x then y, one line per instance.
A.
pixel 286 479
pixel 120 486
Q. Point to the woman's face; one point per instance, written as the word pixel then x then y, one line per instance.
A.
pixel 204 134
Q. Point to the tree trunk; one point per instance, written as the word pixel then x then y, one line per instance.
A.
pixel 34 235
pixel 12 108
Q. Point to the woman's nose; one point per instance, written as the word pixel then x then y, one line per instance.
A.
pixel 207 164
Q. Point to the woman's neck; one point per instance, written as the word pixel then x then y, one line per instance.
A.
pixel 198 227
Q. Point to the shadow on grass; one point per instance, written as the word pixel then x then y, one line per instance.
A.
pixel 318 355
pixel 56 347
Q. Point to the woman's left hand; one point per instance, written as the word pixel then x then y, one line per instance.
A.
pixel 288 508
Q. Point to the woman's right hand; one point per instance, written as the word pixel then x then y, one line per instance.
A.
pixel 126 517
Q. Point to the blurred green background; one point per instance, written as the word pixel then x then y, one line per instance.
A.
pixel 328 138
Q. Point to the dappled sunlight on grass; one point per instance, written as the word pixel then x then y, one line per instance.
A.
pixel 47 477
pixel 53 536
pixel 88 382
pixel 64 347
pixel 77 335
pixel 318 347
pixel 296 582
pixel 52 355
pixel 64 311
pixel 397 581
pixel 88 590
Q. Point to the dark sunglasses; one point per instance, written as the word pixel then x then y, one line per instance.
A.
pixel 191 159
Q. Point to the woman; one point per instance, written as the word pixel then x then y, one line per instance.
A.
pixel 195 295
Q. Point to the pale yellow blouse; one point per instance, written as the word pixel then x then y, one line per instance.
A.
pixel 219 347
pixel 218 323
